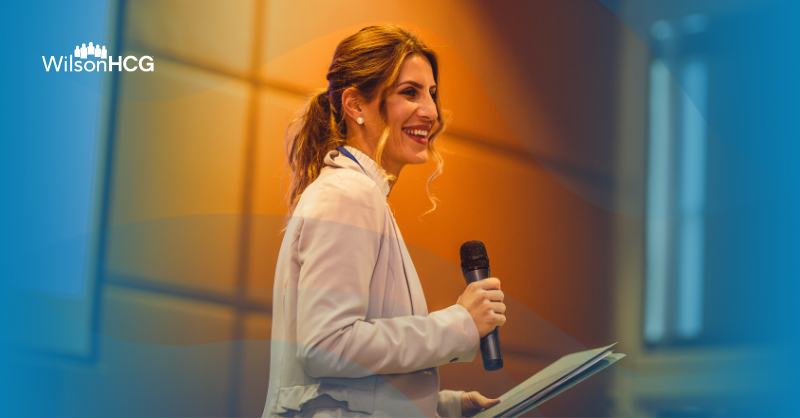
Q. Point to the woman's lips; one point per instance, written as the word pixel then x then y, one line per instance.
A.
pixel 417 138
pixel 418 133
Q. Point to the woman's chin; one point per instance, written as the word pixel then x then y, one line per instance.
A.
pixel 409 158
pixel 420 158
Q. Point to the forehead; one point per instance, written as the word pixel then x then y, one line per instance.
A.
pixel 416 68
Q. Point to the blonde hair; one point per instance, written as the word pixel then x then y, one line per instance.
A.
pixel 369 62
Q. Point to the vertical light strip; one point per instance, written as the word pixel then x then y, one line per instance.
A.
pixel 692 199
pixel 658 183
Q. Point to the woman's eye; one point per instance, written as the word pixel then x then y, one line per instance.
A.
pixel 410 92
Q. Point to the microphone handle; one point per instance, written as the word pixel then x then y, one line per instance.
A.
pixel 490 343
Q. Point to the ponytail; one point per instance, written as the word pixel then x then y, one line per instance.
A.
pixel 318 134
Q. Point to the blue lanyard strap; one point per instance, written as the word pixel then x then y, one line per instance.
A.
pixel 347 154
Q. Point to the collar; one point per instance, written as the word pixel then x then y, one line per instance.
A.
pixel 335 159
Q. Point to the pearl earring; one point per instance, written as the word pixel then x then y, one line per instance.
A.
pixel 360 120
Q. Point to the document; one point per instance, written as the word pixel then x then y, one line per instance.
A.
pixel 552 380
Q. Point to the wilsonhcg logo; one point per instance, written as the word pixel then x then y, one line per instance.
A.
pixel 75 62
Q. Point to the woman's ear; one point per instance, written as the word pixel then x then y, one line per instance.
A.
pixel 351 103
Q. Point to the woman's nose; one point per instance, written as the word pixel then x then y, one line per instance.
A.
pixel 427 109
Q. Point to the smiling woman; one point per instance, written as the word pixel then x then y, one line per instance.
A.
pixel 369 86
pixel 411 114
pixel 351 333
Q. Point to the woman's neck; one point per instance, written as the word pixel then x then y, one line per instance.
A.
pixel 370 152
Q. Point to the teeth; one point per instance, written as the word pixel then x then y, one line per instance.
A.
pixel 417 132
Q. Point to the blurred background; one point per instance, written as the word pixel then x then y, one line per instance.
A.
pixel 626 163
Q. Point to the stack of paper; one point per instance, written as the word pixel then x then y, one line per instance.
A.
pixel 554 379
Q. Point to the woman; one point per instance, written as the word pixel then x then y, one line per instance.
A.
pixel 351 332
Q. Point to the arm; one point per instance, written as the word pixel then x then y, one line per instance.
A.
pixel 337 262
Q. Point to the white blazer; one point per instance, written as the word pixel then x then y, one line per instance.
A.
pixel 349 315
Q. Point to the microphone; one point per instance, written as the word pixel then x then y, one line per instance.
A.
pixel 475 266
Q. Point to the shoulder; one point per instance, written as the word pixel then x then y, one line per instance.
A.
pixel 345 196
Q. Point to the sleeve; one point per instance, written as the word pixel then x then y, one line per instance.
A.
pixel 338 249
pixel 449 403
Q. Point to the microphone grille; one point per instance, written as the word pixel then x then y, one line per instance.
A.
pixel 474 256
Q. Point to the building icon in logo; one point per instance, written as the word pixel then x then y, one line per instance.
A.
pixel 92 51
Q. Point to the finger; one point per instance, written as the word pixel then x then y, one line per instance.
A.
pixel 498 307
pixel 487 284
pixel 495 295
pixel 500 320
pixel 490 402
pixel 485 402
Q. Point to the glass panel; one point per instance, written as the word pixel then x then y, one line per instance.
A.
pixel 692 200
pixel 658 186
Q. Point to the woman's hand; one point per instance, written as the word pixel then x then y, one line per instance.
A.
pixel 484 301
pixel 472 402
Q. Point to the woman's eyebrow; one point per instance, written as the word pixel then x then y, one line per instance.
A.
pixel 415 84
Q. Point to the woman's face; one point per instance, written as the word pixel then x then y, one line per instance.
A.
pixel 411 113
